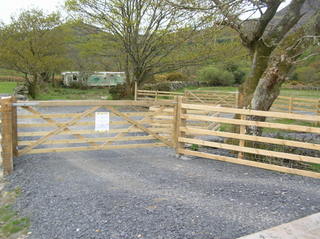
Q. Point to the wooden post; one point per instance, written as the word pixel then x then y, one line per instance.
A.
pixel 237 100
pixel 135 91
pixel 290 104
pixel 179 122
pixel 318 112
pixel 7 135
pixel 241 141
pixel 186 96
pixel 14 128
pixel 156 96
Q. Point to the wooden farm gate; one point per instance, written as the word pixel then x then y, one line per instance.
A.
pixel 64 126
pixel 289 143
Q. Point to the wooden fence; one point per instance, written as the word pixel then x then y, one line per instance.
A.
pixel 230 99
pixel 282 154
pixel 50 126
pixel 297 104
pixel 227 99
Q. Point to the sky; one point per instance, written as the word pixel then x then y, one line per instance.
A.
pixel 13 7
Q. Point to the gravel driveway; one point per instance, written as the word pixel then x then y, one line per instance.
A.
pixel 148 193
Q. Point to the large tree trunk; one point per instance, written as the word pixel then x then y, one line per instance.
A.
pixel 268 88
pixel 33 86
pixel 260 56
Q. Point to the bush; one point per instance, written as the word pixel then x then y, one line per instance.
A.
pixel 216 77
pixel 176 76
pixel 173 76
pixel 79 85
pixel 118 92
pixel 238 72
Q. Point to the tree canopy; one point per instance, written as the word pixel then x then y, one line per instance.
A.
pixel 33 44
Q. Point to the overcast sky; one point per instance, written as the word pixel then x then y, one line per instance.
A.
pixel 11 7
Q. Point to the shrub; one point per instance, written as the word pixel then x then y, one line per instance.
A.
pixel 176 76
pixel 216 77
pixel 118 92
pixel 79 85
pixel 239 73
pixel 173 76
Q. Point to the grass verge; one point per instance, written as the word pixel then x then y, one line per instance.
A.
pixel 7 87
pixel 11 224
pixel 62 93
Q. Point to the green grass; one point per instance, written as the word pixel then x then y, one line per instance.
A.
pixel 300 93
pixel 10 221
pixel 73 94
pixel 284 91
pixel 5 72
pixel 7 87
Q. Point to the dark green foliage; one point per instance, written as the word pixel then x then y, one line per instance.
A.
pixel 176 76
pixel 194 147
pixel 79 85
pixel 238 73
pixel 216 77
pixel 118 92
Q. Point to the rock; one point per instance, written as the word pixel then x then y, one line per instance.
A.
pixel 21 97
pixel 186 158
pixel 21 92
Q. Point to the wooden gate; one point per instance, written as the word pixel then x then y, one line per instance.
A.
pixel 64 126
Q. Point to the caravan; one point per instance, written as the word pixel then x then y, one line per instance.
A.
pixel 93 79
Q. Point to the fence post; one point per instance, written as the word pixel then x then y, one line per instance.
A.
pixel 242 142
pixel 237 100
pixel 179 122
pixel 156 96
pixel 14 128
pixel 290 104
pixel 318 112
pixel 7 135
pixel 186 95
pixel 135 90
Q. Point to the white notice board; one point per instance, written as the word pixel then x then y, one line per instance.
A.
pixel 102 121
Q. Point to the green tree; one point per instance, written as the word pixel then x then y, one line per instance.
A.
pixel 90 49
pixel 274 41
pixel 216 76
pixel 151 37
pixel 33 44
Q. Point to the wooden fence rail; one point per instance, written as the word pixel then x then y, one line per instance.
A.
pixel 296 104
pixel 190 135
pixel 174 123
pixel 227 99
pixel 230 99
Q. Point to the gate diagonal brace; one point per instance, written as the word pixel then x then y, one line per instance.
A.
pixel 131 127
pixel 58 124
pixel 61 128
pixel 139 125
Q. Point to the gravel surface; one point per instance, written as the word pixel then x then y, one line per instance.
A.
pixel 149 193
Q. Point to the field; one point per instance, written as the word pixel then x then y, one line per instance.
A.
pixel 73 94
pixel 284 91
pixel 96 93
pixel 7 87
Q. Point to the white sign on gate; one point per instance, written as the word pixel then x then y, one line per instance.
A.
pixel 102 121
